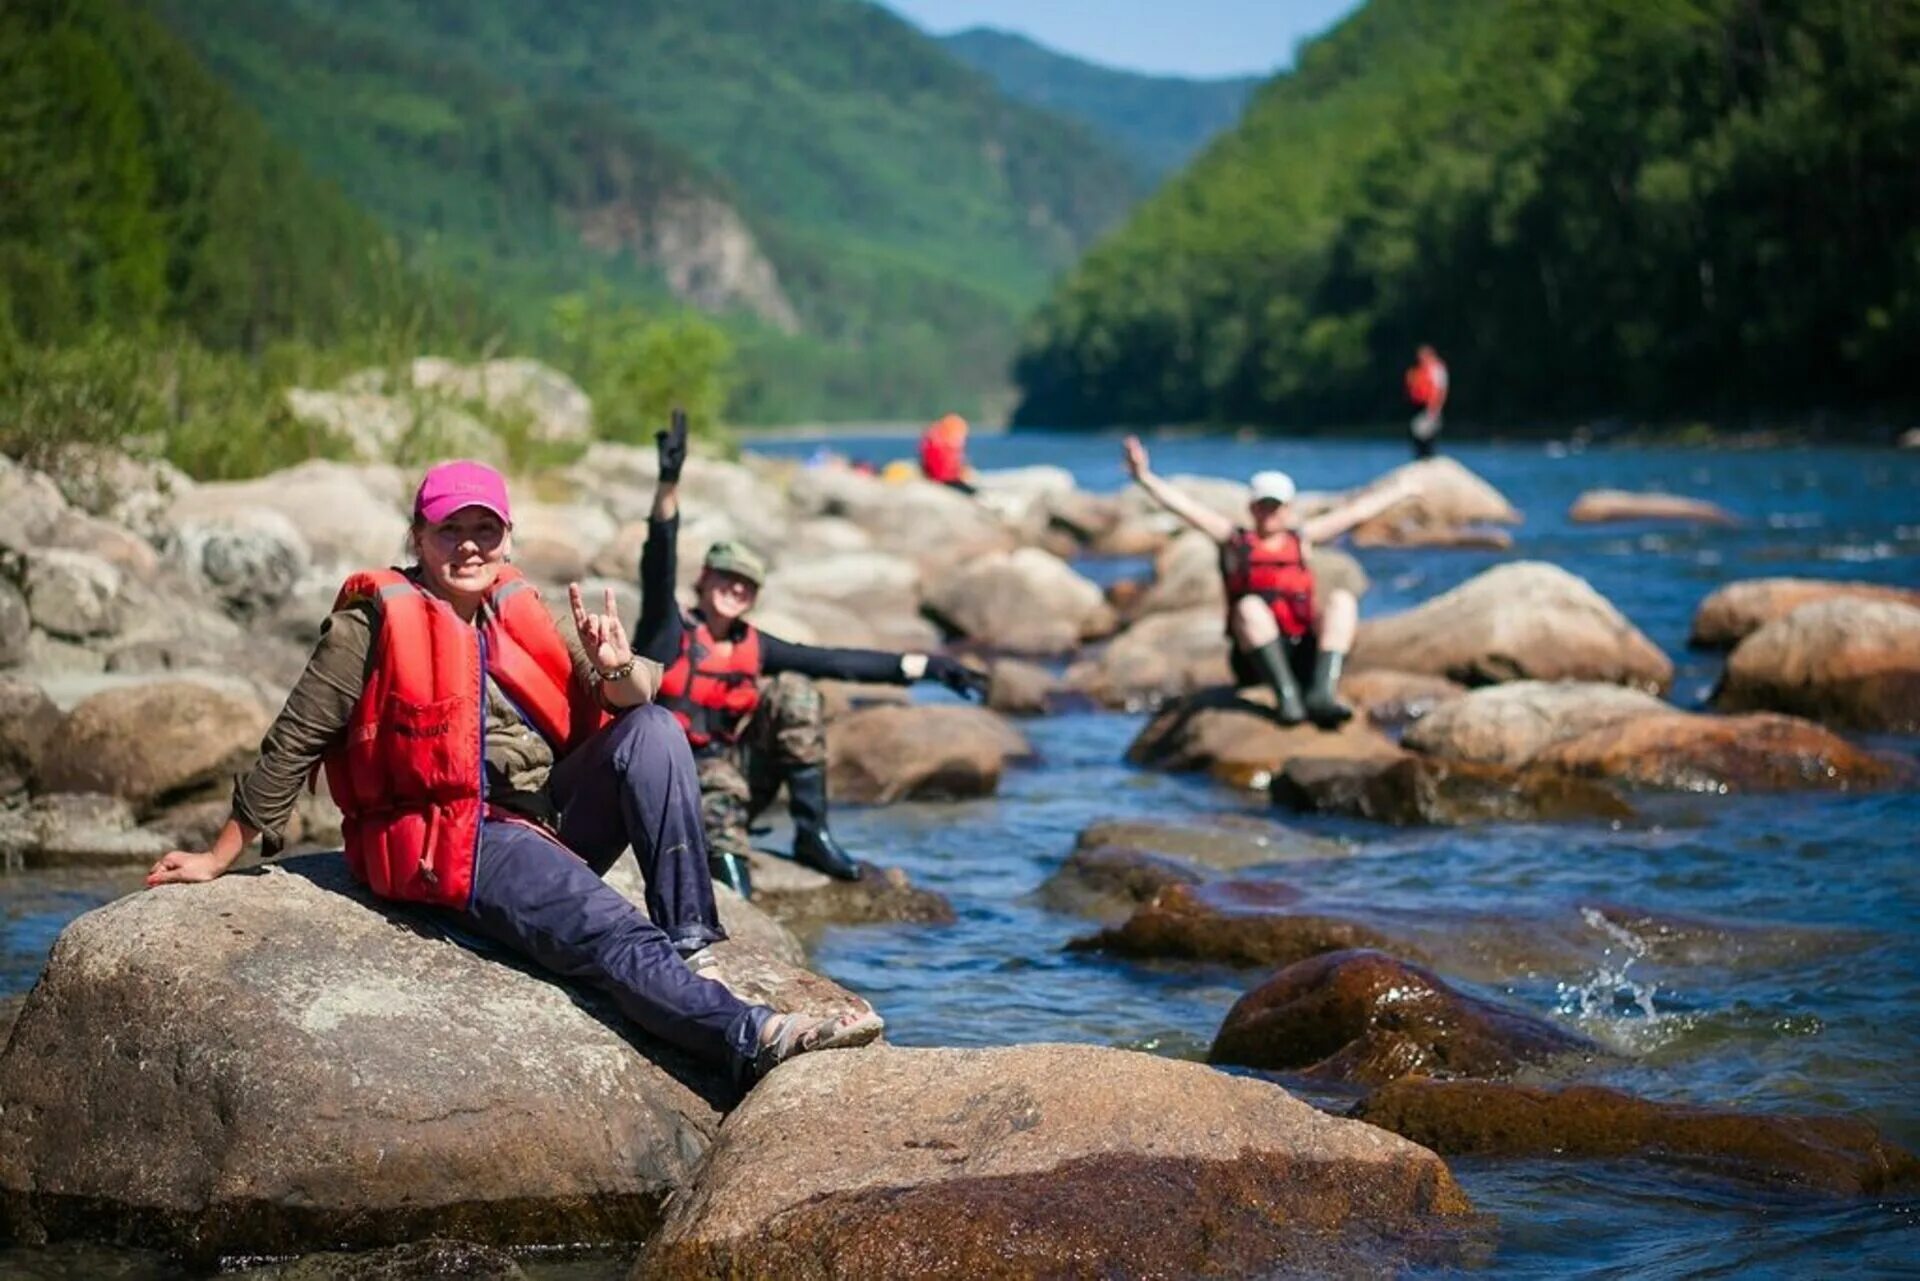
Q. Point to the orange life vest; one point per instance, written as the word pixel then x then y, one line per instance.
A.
pixel 1420 386
pixel 409 777
pixel 1274 571
pixel 713 697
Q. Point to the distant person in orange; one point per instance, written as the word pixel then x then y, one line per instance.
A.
pixel 943 453
pixel 1427 388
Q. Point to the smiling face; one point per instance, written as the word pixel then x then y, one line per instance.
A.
pixel 1269 516
pixel 725 597
pixel 460 557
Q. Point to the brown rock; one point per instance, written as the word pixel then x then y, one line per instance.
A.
pixel 1525 620
pixel 67 830
pixel 1850 663
pixel 1737 610
pixel 1757 753
pixel 1109 881
pixel 28 722
pixel 1450 507
pixel 1043 1160
pixel 1162 656
pixel 431 1260
pixel 1512 724
pixel 837 698
pixel 1395 698
pixel 1828 1153
pixel 884 754
pixel 1225 842
pixel 1229 923
pixel 1021 689
pixel 1026 601
pixel 1599 505
pixel 1412 790
pixel 271 1062
pixel 807 901
pixel 1369 1017
pixel 154 741
pixel 1383 532
pixel 1234 737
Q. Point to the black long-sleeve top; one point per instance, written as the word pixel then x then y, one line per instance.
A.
pixel 657 636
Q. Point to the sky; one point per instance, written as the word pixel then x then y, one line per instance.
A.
pixel 1170 37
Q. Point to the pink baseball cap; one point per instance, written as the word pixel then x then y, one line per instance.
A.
pixel 447 488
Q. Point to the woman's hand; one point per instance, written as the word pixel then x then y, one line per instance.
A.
pixel 1136 455
pixel 184 867
pixel 601 635
pixel 672 445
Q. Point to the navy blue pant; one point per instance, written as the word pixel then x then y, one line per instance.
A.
pixel 632 783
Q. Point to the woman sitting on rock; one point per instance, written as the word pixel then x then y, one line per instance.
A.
pixel 493 767
pixel 1283 632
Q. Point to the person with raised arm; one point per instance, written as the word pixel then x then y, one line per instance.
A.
pixel 1284 632
pixel 491 767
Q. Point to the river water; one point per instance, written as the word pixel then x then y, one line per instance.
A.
pixel 1805 996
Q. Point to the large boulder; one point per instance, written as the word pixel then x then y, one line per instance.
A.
pixel 132 493
pixel 1852 663
pixel 849 575
pixel 1233 922
pixel 1513 723
pixel 1026 601
pixel 1117 866
pixel 31 506
pixel 379 428
pixel 72 595
pixel 1044 1160
pixel 153 740
pixel 351 517
pixel 1597 506
pixel 16 625
pixel 1233 736
pixel 934 525
pixel 1688 752
pixel 557 542
pixel 879 755
pixel 1837 1154
pixel 1526 620
pixel 551 406
pixel 250 560
pixel 1410 790
pixel 1737 610
pixel 1186 576
pixel 1368 1017
pixel 273 1062
pixel 28 722
pixel 1162 656
pixel 807 901
pixel 68 830
pixel 1388 697
pixel 1448 506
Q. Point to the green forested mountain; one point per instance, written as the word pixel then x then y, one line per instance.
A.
pixel 1591 206
pixel 1157 121
pixel 873 216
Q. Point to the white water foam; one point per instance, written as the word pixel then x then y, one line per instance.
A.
pixel 1610 1004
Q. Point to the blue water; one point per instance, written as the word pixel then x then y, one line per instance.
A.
pixel 1809 1000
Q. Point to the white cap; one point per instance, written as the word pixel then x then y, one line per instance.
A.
pixel 1274 485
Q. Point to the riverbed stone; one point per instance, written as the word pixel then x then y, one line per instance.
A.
pixel 1410 790
pixel 1449 505
pixel 1684 751
pixel 16 624
pixel 1186 576
pixel 72 595
pixel 807 901
pixel 1391 698
pixel 1247 923
pixel 1042 1160
pixel 1525 620
pixel 880 755
pixel 65 830
pixel 1364 1016
pixel 1161 656
pixel 1737 610
pixel 28 722
pixel 1849 663
pixel 275 1062
pixel 1020 688
pixel 1834 1154
pixel 1598 506
pixel 1026 601
pixel 249 559
pixel 435 1259
pixel 1511 724
pixel 352 517
pixel 153 740
pixel 1232 736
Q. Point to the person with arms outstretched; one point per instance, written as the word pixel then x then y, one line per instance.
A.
pixel 746 699
pixel 1284 633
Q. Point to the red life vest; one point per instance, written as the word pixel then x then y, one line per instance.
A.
pixel 409 776
pixel 942 459
pixel 1420 386
pixel 1274 571
pixel 713 697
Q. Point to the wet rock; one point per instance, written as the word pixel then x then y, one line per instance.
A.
pixel 1162 656
pixel 1395 698
pixel 884 754
pixel 807 901
pixel 1110 881
pixel 1117 866
pixel 1850 663
pixel 1044 1160
pixel 1687 752
pixel 1026 601
pixel 432 1260
pixel 1368 1017
pixel 1512 724
pixel 1251 923
pixel 1526 620
pixel 352 517
pixel 72 595
pixel 1233 737
pixel 271 1062
pixel 63 829
pixel 16 625
pixel 249 560
pixel 1828 1153
pixel 28 722
pixel 153 740
pixel 1597 506
pixel 1418 791
pixel 1737 610
pixel 1021 689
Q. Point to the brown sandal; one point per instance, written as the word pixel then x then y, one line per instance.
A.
pixel 800 1034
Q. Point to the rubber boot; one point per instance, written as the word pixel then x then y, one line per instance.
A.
pixel 1323 699
pixel 1286 690
pixel 813 844
pixel 731 871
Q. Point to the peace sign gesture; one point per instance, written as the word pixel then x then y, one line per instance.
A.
pixel 601 635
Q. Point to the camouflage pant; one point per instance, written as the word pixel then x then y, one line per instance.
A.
pixel 739 781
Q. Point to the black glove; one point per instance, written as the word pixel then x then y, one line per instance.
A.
pixel 672 444
pixel 958 677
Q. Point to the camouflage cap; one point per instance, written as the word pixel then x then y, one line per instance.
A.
pixel 737 558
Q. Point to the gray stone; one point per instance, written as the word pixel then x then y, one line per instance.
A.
pixel 72 595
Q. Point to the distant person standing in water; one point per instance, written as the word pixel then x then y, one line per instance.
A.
pixel 1427 388
pixel 943 453
pixel 1284 632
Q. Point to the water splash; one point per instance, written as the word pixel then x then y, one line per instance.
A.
pixel 1611 1004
